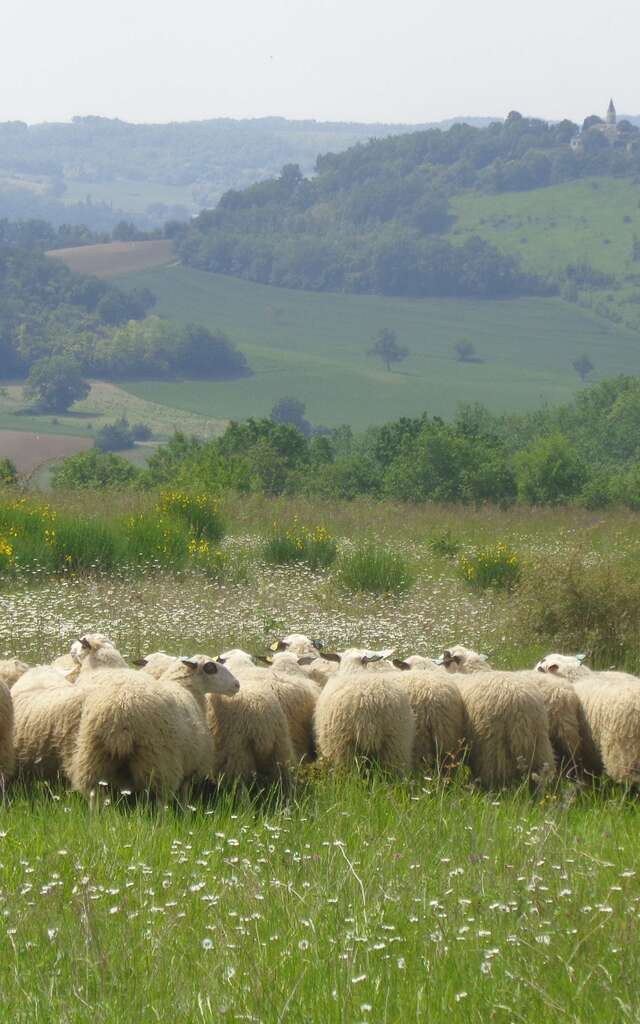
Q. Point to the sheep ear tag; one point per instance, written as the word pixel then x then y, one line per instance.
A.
pixel 581 657
pixel 484 657
pixel 275 646
pixel 440 659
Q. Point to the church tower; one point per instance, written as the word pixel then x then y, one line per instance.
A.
pixel 611 113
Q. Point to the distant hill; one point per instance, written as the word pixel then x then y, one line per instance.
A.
pixel 97 171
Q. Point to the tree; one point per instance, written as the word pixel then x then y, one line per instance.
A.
pixel 386 347
pixel 465 351
pixel 8 472
pixel 292 410
pixel 549 471
pixel 56 383
pixel 583 366
pixel 93 470
pixel 115 437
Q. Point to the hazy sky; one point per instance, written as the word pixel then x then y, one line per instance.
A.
pixel 365 60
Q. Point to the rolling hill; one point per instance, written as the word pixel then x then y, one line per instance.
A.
pixel 313 346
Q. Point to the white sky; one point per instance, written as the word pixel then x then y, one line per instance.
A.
pixel 360 60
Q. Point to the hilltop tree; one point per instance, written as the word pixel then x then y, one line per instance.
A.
pixel 386 347
pixel 465 351
pixel 583 366
pixel 292 410
pixel 56 383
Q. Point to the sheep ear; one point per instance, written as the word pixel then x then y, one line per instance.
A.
pixel 220 660
pixel 191 662
pixel 210 668
pixel 402 665
pixel 85 643
pixel 318 644
pixel 307 659
pixel 581 657
pixel 264 659
pixel 331 656
pixel 552 668
pixel 140 662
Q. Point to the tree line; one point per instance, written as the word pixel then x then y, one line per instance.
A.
pixel 584 452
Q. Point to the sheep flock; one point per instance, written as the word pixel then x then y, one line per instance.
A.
pixel 167 723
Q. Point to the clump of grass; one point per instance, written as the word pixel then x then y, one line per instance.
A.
pixel 316 547
pixel 156 540
pixel 441 541
pixel 495 565
pixel 224 566
pixel 376 570
pixel 200 512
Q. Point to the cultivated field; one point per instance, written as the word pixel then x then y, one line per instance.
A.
pixel 29 450
pixel 355 899
pixel 113 258
pixel 313 345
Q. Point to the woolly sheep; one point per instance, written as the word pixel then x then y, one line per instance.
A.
pixel 10 671
pixel 156 664
pixel 7 754
pixel 297 643
pixel 612 713
pixel 46 721
pixel 572 667
pixel 139 733
pixel 439 712
pixel 94 652
pixel 41 677
pixel 362 713
pixel 296 693
pixel 508 723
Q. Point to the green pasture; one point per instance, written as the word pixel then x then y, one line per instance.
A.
pixel 314 346
pixel 593 221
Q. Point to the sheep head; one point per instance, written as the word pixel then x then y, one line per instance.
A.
pixel 210 675
pixel 462 659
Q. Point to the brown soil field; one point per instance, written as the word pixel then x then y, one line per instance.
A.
pixel 29 451
pixel 115 258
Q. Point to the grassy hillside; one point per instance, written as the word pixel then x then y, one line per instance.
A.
pixel 313 345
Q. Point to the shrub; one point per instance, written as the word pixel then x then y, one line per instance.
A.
pixel 298 543
pixel 200 512
pixel 8 472
pixel 224 566
pixel 7 560
pixel 494 566
pixel 115 437
pixel 156 540
pixel 584 604
pixel 93 470
pixel 549 471
pixel 376 570
pixel 442 542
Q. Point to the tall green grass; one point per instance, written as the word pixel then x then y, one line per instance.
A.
pixel 375 569
pixel 296 543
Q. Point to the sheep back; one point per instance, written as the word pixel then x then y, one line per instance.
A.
pixel 7 753
pixel 250 733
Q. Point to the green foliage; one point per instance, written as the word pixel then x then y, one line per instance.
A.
pixel 585 603
pixel 115 437
pixel 495 565
pixel 56 383
pixel 8 472
pixel 296 543
pixel 93 470
pixel 200 512
pixel 386 348
pixel 442 542
pixel 549 471
pixel 375 569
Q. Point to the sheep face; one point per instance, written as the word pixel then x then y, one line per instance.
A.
pixel 88 644
pixel 561 664
pixel 211 676
pixel 298 644
pixel 462 659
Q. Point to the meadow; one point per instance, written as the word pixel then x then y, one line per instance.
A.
pixel 355 898
pixel 314 345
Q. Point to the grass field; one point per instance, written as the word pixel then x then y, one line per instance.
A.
pixel 313 345
pixel 356 899
pixel 113 258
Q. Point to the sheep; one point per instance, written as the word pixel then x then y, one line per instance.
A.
pixel 572 667
pixel 94 652
pixel 612 713
pixel 297 643
pixel 364 713
pixel 417 661
pixel 138 733
pixel 7 752
pixel 251 740
pixel 10 671
pixel 508 722
pixel 41 677
pixel 46 720
pixel 439 712
pixel 156 664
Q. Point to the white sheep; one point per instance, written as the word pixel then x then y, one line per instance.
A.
pixel 508 722
pixel 364 714
pixel 137 733
pixel 296 693
pixel 251 741
pixel 156 664
pixel 10 671
pixel 297 643
pixel 40 677
pixel 612 712
pixel 439 711
pixel 572 667
pixel 46 720
pixel 7 753
pixel 94 652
